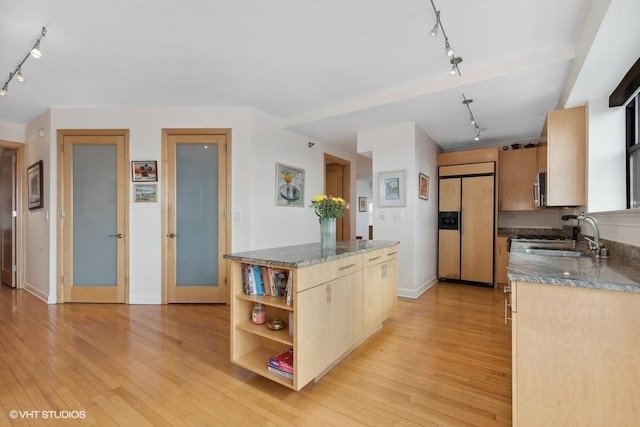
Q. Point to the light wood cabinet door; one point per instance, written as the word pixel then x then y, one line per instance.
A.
pixel 566 157
pixel 575 356
pixel 371 299
pixel 311 335
pixel 502 260
pixel 477 229
pixel 518 169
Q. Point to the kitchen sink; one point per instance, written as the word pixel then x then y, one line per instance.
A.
pixel 554 252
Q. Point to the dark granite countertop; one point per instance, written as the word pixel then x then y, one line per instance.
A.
pixel 308 254
pixel 582 272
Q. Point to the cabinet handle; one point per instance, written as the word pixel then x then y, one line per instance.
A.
pixel 392 253
pixel 329 294
pixel 374 258
pixel 536 200
pixel 506 305
pixel 347 266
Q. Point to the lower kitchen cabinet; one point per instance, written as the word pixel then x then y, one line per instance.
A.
pixel 575 356
pixel 379 290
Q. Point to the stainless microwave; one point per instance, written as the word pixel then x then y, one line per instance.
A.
pixel 540 190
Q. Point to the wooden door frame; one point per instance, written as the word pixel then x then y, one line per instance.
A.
pixel 346 188
pixel 166 132
pixel 21 208
pixel 60 135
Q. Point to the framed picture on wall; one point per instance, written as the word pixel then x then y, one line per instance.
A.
pixel 289 186
pixel 423 186
pixel 391 187
pixel 34 182
pixel 145 193
pixel 362 204
pixel 146 170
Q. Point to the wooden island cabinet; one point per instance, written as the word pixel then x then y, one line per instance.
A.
pixel 339 297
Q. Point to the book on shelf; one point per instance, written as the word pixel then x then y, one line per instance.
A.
pixel 266 281
pixel 283 360
pixel 280 372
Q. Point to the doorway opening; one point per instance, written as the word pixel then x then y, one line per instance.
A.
pixel 337 183
pixel 11 228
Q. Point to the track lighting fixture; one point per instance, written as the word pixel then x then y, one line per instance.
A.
pixel 472 119
pixel 434 30
pixel 455 60
pixel 17 73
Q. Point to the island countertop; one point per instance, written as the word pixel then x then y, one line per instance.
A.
pixel 580 272
pixel 308 254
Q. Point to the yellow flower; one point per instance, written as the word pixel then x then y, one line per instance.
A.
pixel 329 206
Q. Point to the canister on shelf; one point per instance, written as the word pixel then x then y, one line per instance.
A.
pixel 258 315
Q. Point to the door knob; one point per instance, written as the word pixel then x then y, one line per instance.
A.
pixel 172 235
pixel 119 235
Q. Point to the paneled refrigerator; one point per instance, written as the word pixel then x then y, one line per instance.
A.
pixel 466 222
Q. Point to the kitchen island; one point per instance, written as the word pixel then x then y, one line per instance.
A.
pixel 335 299
pixel 575 340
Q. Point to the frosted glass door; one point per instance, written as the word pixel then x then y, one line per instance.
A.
pixel 96 174
pixel 196 215
pixel 94 215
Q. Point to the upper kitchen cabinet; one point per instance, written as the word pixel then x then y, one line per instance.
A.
pixel 562 155
pixel 517 173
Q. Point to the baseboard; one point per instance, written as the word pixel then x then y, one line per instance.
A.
pixel 144 300
pixel 415 293
pixel 37 293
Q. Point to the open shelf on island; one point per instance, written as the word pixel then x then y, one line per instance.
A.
pixel 281 336
pixel 267 300
pixel 257 361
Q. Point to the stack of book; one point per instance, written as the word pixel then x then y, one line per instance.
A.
pixel 282 363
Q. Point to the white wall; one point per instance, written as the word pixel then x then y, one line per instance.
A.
pixel 12 132
pixel 426 232
pixel 258 142
pixel 409 151
pixel 39 225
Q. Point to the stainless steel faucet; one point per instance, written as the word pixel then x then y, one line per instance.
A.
pixel 594 244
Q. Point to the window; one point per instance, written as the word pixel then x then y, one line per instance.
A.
pixel 632 123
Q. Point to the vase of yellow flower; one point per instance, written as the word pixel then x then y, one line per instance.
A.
pixel 328 208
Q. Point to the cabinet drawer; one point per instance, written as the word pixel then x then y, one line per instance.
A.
pixel 378 256
pixel 316 274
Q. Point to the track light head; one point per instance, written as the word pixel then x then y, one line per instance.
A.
pixel 35 52
pixel 449 49
pixel 434 30
pixel 20 77
pixel 455 60
pixel 3 91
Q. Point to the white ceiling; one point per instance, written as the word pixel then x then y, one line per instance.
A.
pixel 327 68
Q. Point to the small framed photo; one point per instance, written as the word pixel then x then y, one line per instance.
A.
pixel 423 186
pixel 144 171
pixel 289 186
pixel 34 182
pixel 145 193
pixel 362 204
pixel 391 187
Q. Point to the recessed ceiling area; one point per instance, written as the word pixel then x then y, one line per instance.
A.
pixel 328 69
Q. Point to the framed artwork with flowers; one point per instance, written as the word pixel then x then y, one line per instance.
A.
pixel 289 186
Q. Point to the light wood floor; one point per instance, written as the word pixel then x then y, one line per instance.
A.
pixel 444 359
